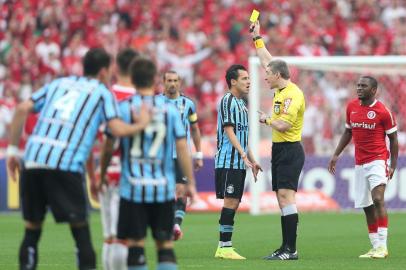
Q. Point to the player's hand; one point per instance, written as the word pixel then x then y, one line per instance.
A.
pixel 255 170
pixel 102 184
pixel 13 166
pixel 247 162
pixel 262 117
pixel 255 29
pixel 94 190
pixel 191 193
pixel 332 165
pixel 198 164
pixel 391 172
pixel 143 116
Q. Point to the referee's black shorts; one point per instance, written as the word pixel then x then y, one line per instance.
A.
pixel 287 163
pixel 62 191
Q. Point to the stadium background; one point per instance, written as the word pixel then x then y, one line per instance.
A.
pixel 43 39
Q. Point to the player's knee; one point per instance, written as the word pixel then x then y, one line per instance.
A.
pixel 78 224
pixel 136 243
pixel 136 256
pixel 163 244
pixel 378 201
pixel 33 225
pixel 231 203
pixel 166 255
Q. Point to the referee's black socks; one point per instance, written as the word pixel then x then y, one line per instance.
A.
pixel 226 226
pixel 85 251
pixel 28 255
pixel 289 220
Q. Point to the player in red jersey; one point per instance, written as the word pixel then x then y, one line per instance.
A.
pixel 368 122
pixel 114 253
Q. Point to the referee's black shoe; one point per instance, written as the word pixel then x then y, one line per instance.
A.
pixel 282 255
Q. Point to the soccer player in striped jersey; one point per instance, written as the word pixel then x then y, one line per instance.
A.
pixel 188 114
pixel 71 111
pixel 114 253
pixel 147 183
pixel 233 155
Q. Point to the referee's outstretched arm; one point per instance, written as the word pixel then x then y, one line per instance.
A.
pixel 262 52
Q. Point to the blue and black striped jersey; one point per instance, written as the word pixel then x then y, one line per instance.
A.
pixel 231 111
pixel 148 169
pixel 71 111
pixel 187 109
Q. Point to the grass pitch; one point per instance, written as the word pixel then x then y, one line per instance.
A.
pixel 325 241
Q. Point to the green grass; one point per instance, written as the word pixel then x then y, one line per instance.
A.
pixel 325 241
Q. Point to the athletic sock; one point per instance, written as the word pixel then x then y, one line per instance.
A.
pixel 283 228
pixel 136 259
pixel 291 222
pixel 180 211
pixel 383 231
pixel 373 234
pixel 118 256
pixel 166 260
pixel 226 226
pixel 85 252
pixel 28 255
pixel 106 254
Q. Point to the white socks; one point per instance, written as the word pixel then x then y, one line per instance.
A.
pixel 118 257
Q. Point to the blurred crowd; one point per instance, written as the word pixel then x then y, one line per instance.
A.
pixel 43 39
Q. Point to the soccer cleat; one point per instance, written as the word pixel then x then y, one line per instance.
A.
pixel 273 254
pixel 368 254
pixel 282 255
pixel 177 232
pixel 228 253
pixel 380 253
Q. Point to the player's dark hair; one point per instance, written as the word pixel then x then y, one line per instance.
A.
pixel 95 59
pixel 170 72
pixel 281 67
pixel 232 73
pixel 124 59
pixel 142 71
pixel 372 80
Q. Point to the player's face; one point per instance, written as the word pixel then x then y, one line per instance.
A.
pixel 242 84
pixel 365 90
pixel 172 83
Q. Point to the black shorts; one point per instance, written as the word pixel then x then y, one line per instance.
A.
pixel 135 218
pixel 230 183
pixel 62 191
pixel 180 177
pixel 287 164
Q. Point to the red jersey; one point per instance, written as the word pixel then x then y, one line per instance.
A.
pixel 369 125
pixel 113 171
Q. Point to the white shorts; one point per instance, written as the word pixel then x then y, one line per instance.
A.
pixel 367 177
pixel 109 206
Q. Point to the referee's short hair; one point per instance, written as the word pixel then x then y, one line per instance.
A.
pixel 281 67
pixel 372 80
pixel 142 72
pixel 232 73
pixel 95 59
pixel 124 59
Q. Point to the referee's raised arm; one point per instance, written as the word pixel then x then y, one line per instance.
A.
pixel 262 51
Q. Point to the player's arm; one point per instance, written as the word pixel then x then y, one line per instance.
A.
pixel 278 124
pixel 119 128
pixel 394 152
pixel 229 129
pixel 16 129
pixel 195 132
pixel 264 56
pixel 185 162
pixel 90 168
pixel 106 154
pixel 344 141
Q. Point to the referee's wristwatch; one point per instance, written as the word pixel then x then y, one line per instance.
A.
pixel 243 155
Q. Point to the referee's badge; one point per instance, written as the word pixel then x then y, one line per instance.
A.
pixel 277 108
pixel 230 189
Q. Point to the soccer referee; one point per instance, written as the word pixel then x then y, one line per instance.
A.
pixel 287 151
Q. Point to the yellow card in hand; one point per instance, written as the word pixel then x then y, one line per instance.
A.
pixel 254 16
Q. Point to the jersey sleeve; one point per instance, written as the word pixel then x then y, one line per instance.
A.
pixel 192 115
pixel 347 117
pixel 124 110
pixel 290 108
pixel 227 107
pixel 39 98
pixel 389 122
pixel 110 107
pixel 178 128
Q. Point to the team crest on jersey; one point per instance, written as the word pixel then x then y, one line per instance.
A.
pixel 371 115
pixel 181 108
pixel 277 107
pixel 230 189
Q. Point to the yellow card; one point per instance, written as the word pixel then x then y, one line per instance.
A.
pixel 254 16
